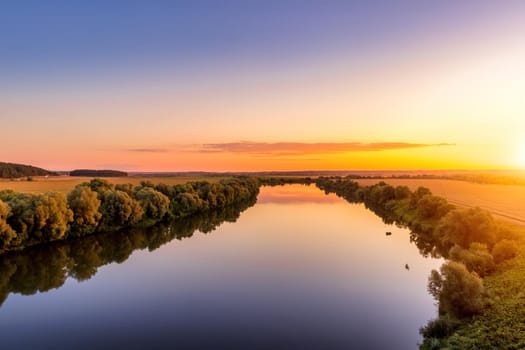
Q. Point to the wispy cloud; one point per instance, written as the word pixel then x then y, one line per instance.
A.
pixel 148 150
pixel 302 148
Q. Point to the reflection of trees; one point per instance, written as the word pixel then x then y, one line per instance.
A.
pixel 42 268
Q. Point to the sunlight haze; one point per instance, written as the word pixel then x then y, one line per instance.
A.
pixel 149 88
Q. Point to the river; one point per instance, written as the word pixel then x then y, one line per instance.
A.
pixel 298 270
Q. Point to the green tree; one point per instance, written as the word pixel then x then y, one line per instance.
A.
pixel 504 250
pixel 52 216
pixel 120 210
pixel 85 205
pixel 7 234
pixel 155 204
pixel 100 186
pixel 458 291
pixel 432 207
pixel 465 226
pixel 38 217
pixel 477 258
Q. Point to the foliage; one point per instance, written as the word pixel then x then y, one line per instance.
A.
pixel 504 250
pixel 458 291
pixel 439 328
pixel 12 170
pixel 39 269
pixel 7 234
pixel 100 186
pixel 154 204
pixel 98 173
pixel 476 244
pixel 466 226
pixel 98 205
pixel 85 205
pixel 119 209
pixel 477 258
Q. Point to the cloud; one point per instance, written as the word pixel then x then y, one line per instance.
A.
pixel 302 148
pixel 147 150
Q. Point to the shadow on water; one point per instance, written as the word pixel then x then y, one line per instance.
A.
pixel 47 267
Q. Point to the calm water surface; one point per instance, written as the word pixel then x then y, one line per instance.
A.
pixel 299 270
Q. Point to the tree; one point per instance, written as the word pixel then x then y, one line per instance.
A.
pixel 465 226
pixel 38 217
pixel 458 291
pixel 402 192
pixel 7 234
pixel 100 186
pixel 477 258
pixel 504 250
pixel 85 205
pixel 432 207
pixel 155 204
pixel 52 216
pixel 419 193
pixel 120 210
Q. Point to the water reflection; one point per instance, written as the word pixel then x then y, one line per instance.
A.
pixel 301 270
pixel 46 267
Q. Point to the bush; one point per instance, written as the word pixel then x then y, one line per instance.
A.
pixel 439 328
pixel 504 250
pixel 477 258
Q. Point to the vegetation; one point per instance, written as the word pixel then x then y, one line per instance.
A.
pixel 458 291
pixel 97 173
pixel 477 288
pixel 280 181
pixel 97 206
pixel 12 170
pixel 39 269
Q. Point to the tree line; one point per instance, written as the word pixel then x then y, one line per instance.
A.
pixel 13 170
pixel 98 173
pixel 99 206
pixel 46 267
pixel 470 239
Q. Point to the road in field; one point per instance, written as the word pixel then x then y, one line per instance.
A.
pixel 503 201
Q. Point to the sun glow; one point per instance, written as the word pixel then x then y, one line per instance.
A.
pixel 520 156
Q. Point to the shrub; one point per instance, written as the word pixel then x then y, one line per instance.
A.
pixel 477 258
pixel 504 250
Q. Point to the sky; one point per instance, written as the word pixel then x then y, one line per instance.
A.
pixel 262 85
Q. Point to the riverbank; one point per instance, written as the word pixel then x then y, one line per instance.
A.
pixel 475 313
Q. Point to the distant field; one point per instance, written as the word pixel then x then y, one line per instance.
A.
pixel 65 184
pixel 503 201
